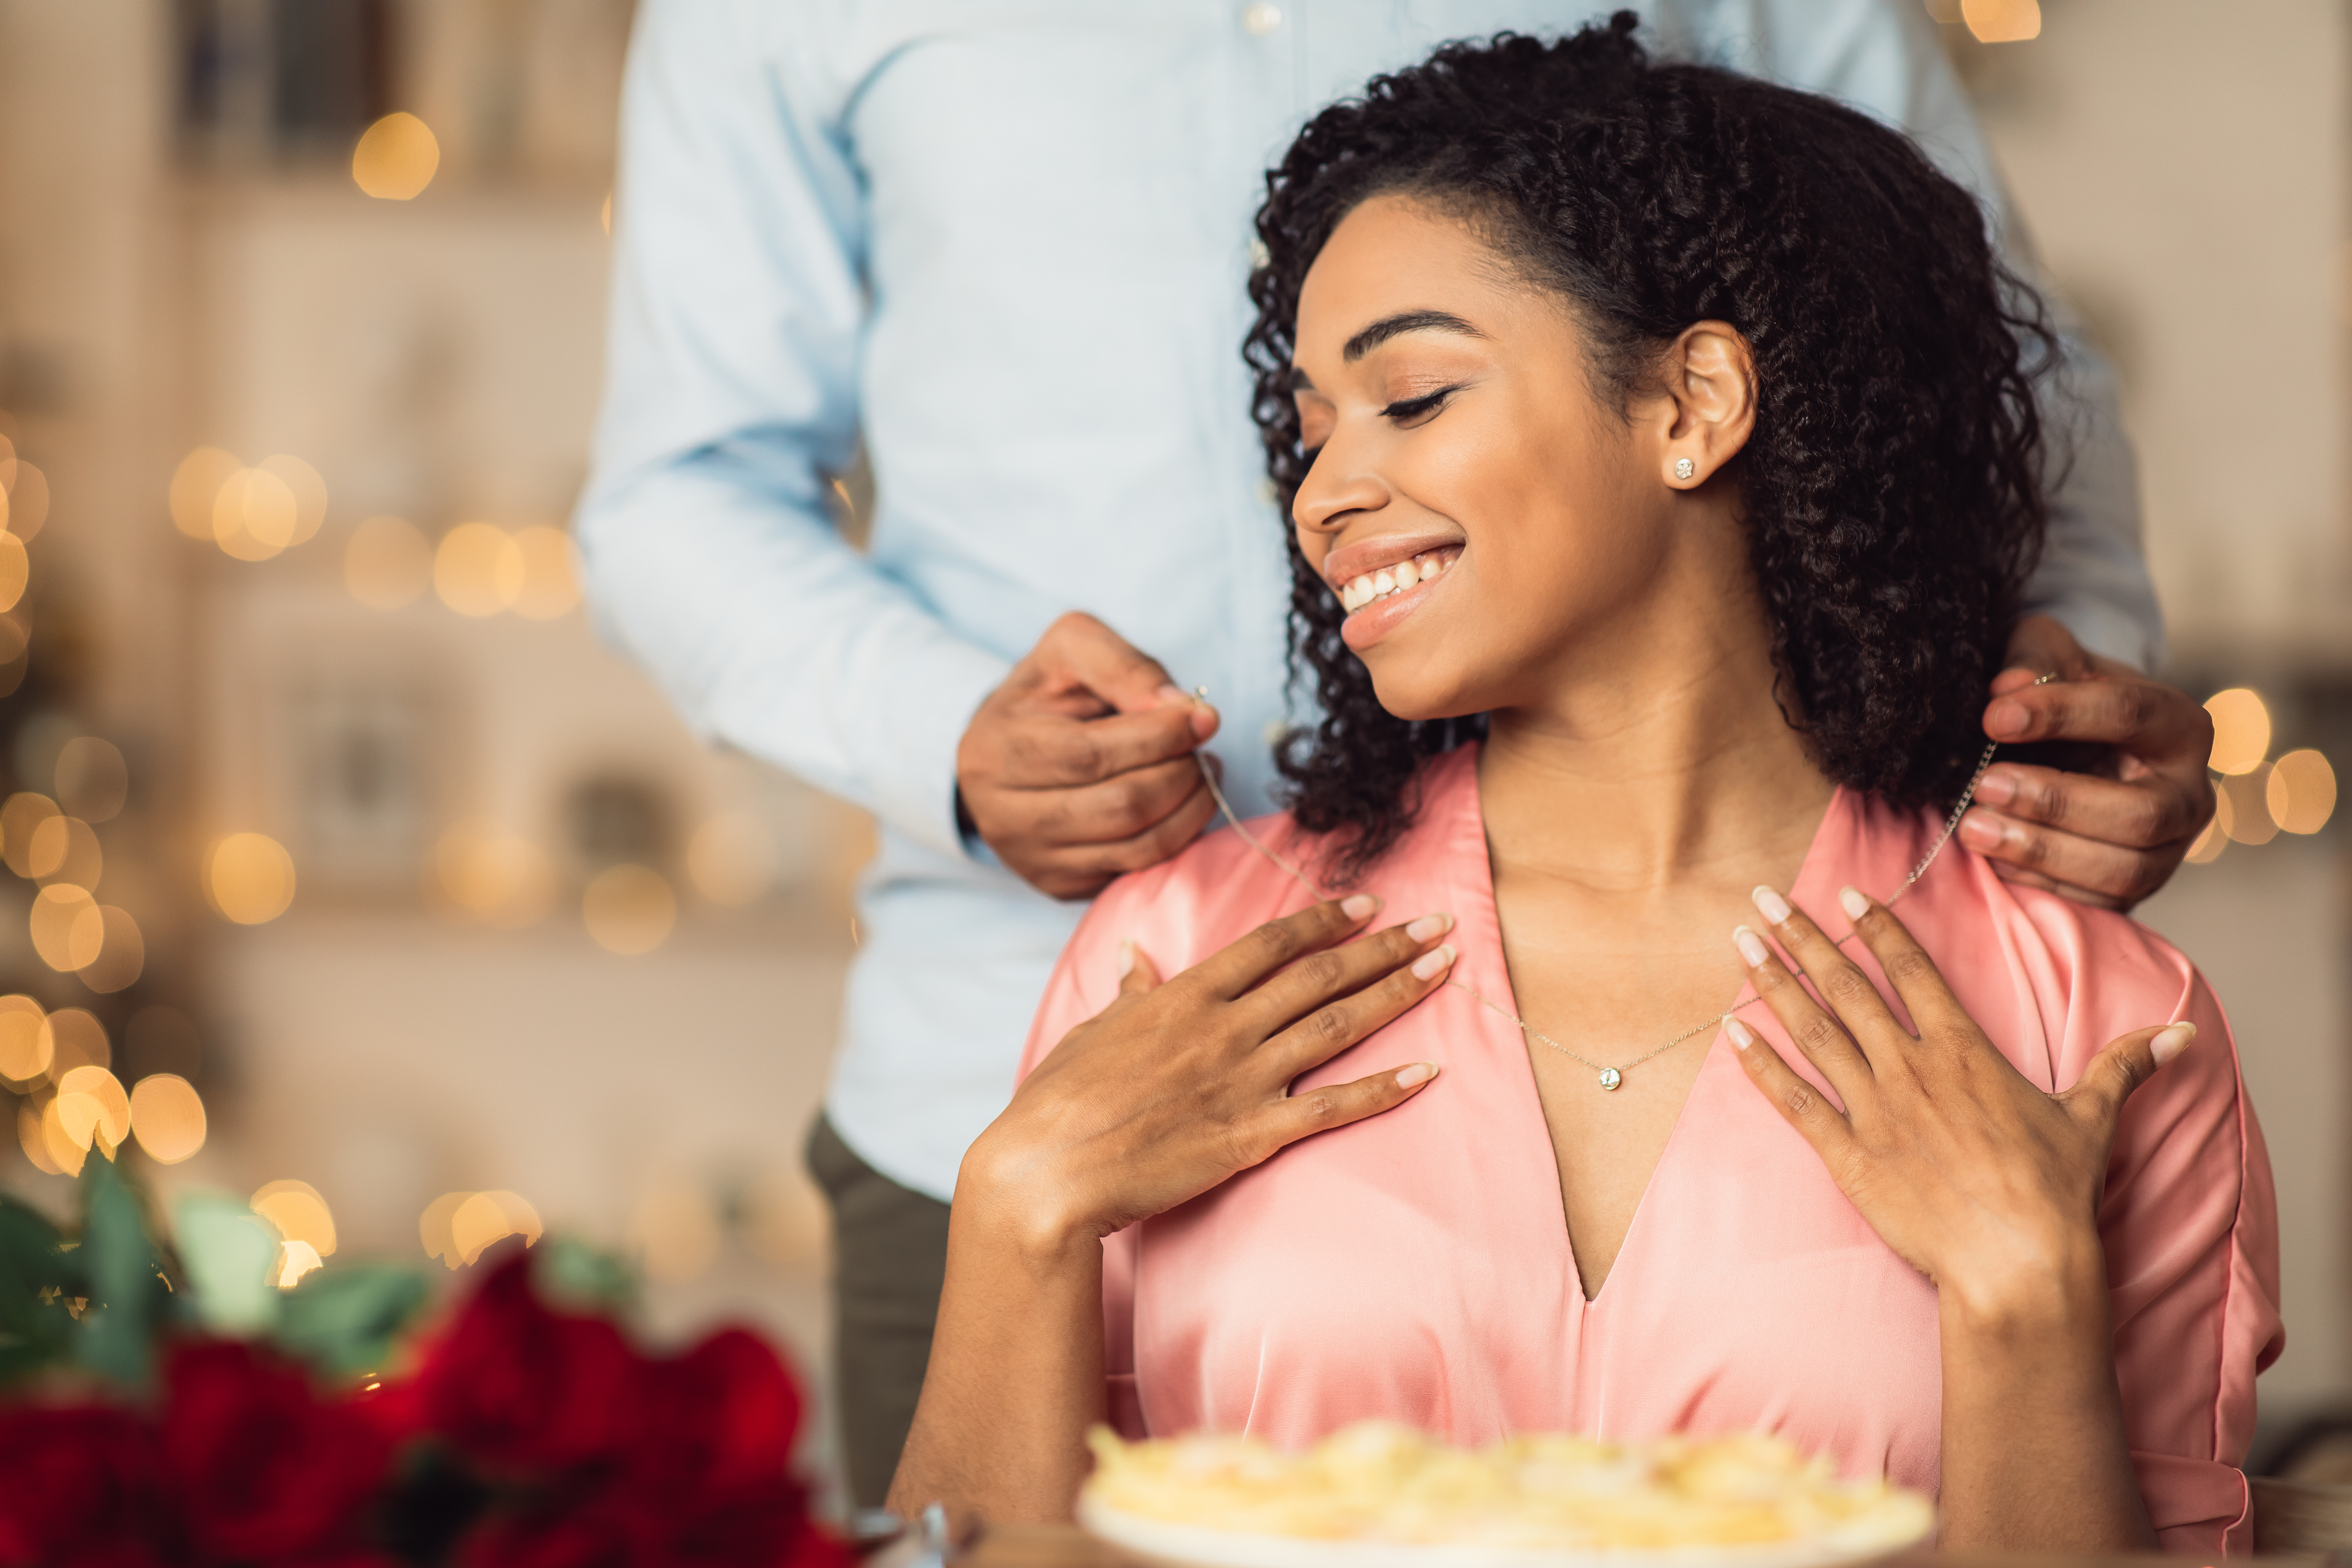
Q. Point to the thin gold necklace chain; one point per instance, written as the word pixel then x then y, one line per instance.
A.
pixel 1610 1077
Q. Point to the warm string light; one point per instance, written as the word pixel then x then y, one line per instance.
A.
pixel 250 513
pixel 2256 799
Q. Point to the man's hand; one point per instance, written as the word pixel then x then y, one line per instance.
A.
pixel 2108 837
pixel 1080 766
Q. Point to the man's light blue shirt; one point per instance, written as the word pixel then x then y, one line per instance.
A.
pixel 1006 243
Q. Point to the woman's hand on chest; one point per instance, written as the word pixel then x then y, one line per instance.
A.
pixel 1175 1087
pixel 1980 1180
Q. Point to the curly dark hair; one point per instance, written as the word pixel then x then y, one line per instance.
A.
pixel 1892 489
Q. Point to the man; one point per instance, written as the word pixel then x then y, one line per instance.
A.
pixel 1005 244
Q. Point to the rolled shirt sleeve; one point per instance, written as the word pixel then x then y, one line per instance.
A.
pixel 737 311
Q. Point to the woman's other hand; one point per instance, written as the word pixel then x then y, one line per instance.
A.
pixel 1176 1085
pixel 1989 1187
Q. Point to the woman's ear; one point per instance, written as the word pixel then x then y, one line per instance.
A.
pixel 1709 383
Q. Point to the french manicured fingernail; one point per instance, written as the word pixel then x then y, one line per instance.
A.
pixel 1982 831
pixel 1998 787
pixel 1739 1031
pixel 1362 907
pixel 1434 962
pixel 1771 905
pixel 2171 1042
pixel 1851 900
pixel 1429 926
pixel 1418 1073
pixel 1751 946
pixel 1126 959
pixel 2007 720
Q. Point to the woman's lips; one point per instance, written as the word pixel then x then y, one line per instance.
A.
pixel 1378 601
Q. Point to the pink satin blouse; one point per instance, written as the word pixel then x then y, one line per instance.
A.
pixel 1416 1266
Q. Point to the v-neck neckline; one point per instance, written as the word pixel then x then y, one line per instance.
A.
pixel 1470 868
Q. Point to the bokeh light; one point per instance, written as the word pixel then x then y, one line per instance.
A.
pixel 19 818
pixel 65 1155
pixel 167 1117
pixel 31 1136
pixel 65 849
pixel 195 485
pixel 308 490
pixel 76 1040
pixel 732 858
pixel 2002 21
pixel 25 1046
pixel 387 564
pixel 90 1100
pixel 93 780
pixel 2301 793
pixel 299 1213
pixel 249 878
pixel 16 570
pixel 2250 809
pixel 2241 731
pixel 478 569
pixel 67 929
pixel 629 910
pixel 395 158
pixel 121 954
pixel 551 584
pixel 496 877
pixel 295 1258
pixel 24 502
pixel 254 515
pixel 675 1230
pixel 484 1219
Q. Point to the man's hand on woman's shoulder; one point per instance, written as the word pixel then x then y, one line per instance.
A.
pixel 2112 835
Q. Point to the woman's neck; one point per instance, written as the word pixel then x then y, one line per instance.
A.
pixel 1661 759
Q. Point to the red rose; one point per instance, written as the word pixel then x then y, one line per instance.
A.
pixel 263 1471
pixel 766 1528
pixel 716 1421
pixel 612 1533
pixel 80 1484
pixel 521 1388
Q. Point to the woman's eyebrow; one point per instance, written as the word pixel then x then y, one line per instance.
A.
pixel 1404 321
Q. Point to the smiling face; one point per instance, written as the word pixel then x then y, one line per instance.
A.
pixel 1489 525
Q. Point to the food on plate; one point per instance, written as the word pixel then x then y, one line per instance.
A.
pixel 1379 1482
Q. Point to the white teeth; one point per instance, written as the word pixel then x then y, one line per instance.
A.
pixel 1405 574
pixel 1362 591
pixel 1384 581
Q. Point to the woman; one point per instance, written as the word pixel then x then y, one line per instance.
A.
pixel 1663 473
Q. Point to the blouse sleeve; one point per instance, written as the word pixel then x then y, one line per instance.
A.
pixel 2191 1223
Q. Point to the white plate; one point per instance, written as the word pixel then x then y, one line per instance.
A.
pixel 1193 1546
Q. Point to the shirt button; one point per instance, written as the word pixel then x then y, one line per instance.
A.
pixel 1260 18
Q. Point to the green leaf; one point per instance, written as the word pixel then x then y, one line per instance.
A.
pixel 341 1319
pixel 228 1251
pixel 572 1276
pixel 127 1292
pixel 38 1278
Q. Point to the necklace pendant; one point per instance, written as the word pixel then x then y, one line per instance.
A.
pixel 1611 1077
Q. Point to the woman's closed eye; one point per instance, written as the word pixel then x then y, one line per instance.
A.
pixel 1411 411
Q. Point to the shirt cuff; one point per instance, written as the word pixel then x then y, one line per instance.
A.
pixel 950 682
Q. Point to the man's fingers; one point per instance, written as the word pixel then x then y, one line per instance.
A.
pixel 2122 1067
pixel 1081 649
pixel 2141 814
pixel 1136 972
pixel 1801 1105
pixel 2140 717
pixel 1239 966
pixel 1286 1120
pixel 1112 811
pixel 1826 1045
pixel 2041 644
pixel 1045 750
pixel 2104 875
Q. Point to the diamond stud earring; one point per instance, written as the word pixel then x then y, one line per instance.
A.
pixel 1684 467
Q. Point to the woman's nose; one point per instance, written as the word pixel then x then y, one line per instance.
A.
pixel 1341 484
